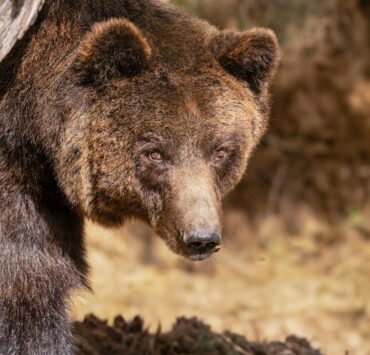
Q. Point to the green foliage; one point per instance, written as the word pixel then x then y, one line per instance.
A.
pixel 356 215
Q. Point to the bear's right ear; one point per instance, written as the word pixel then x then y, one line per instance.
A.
pixel 112 49
pixel 251 56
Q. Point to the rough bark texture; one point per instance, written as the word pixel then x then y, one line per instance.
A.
pixel 16 16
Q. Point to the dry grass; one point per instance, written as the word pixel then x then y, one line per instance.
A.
pixel 309 278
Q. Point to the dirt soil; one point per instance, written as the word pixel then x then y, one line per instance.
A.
pixel 187 336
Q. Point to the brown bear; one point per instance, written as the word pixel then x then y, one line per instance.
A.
pixel 113 109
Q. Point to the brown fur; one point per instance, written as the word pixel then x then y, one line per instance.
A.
pixel 85 97
pixel 102 55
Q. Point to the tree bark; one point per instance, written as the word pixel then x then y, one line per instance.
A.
pixel 16 17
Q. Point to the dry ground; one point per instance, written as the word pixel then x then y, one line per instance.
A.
pixel 305 278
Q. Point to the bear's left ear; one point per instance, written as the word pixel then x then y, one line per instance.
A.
pixel 112 49
pixel 250 56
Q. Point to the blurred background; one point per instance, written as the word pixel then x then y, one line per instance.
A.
pixel 296 255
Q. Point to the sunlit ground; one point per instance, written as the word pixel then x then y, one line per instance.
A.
pixel 310 279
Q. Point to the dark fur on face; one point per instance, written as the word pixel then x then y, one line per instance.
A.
pixel 114 110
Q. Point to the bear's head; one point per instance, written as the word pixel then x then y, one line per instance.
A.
pixel 161 127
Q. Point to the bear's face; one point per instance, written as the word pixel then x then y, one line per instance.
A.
pixel 166 145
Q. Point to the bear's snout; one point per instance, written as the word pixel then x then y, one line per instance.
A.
pixel 196 211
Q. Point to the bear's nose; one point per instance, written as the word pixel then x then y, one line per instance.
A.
pixel 203 242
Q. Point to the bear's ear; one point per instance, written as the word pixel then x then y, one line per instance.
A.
pixel 250 56
pixel 112 49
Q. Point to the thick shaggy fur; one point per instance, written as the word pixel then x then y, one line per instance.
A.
pixel 86 98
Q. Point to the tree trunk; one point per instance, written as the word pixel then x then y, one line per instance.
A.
pixel 16 16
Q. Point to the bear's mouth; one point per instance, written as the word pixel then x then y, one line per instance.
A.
pixel 202 256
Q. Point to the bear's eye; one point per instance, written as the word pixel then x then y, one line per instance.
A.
pixel 156 156
pixel 220 154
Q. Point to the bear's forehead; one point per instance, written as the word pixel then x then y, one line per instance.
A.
pixel 193 97
pixel 180 115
